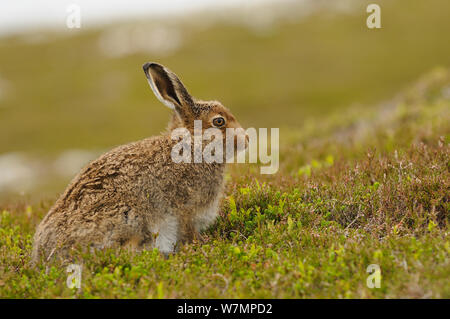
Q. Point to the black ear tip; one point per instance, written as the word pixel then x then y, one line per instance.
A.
pixel 146 66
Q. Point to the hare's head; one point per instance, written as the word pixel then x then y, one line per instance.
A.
pixel 169 89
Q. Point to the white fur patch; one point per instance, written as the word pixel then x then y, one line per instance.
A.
pixel 166 232
pixel 207 217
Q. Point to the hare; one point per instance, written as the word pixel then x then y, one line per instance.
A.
pixel 136 196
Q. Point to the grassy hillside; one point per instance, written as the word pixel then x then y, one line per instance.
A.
pixel 360 187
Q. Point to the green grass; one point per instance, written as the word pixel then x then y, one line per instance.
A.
pixel 355 188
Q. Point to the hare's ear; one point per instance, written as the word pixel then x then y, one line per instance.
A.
pixel 168 87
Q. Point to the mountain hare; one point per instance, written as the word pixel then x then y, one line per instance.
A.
pixel 135 195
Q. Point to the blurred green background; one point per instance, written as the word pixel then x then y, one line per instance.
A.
pixel 273 67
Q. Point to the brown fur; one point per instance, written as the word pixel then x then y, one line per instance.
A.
pixel 119 199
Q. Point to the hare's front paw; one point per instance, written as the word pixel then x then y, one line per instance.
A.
pixel 166 234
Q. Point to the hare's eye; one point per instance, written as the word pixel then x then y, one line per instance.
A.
pixel 219 121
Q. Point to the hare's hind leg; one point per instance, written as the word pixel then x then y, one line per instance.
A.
pixel 188 229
